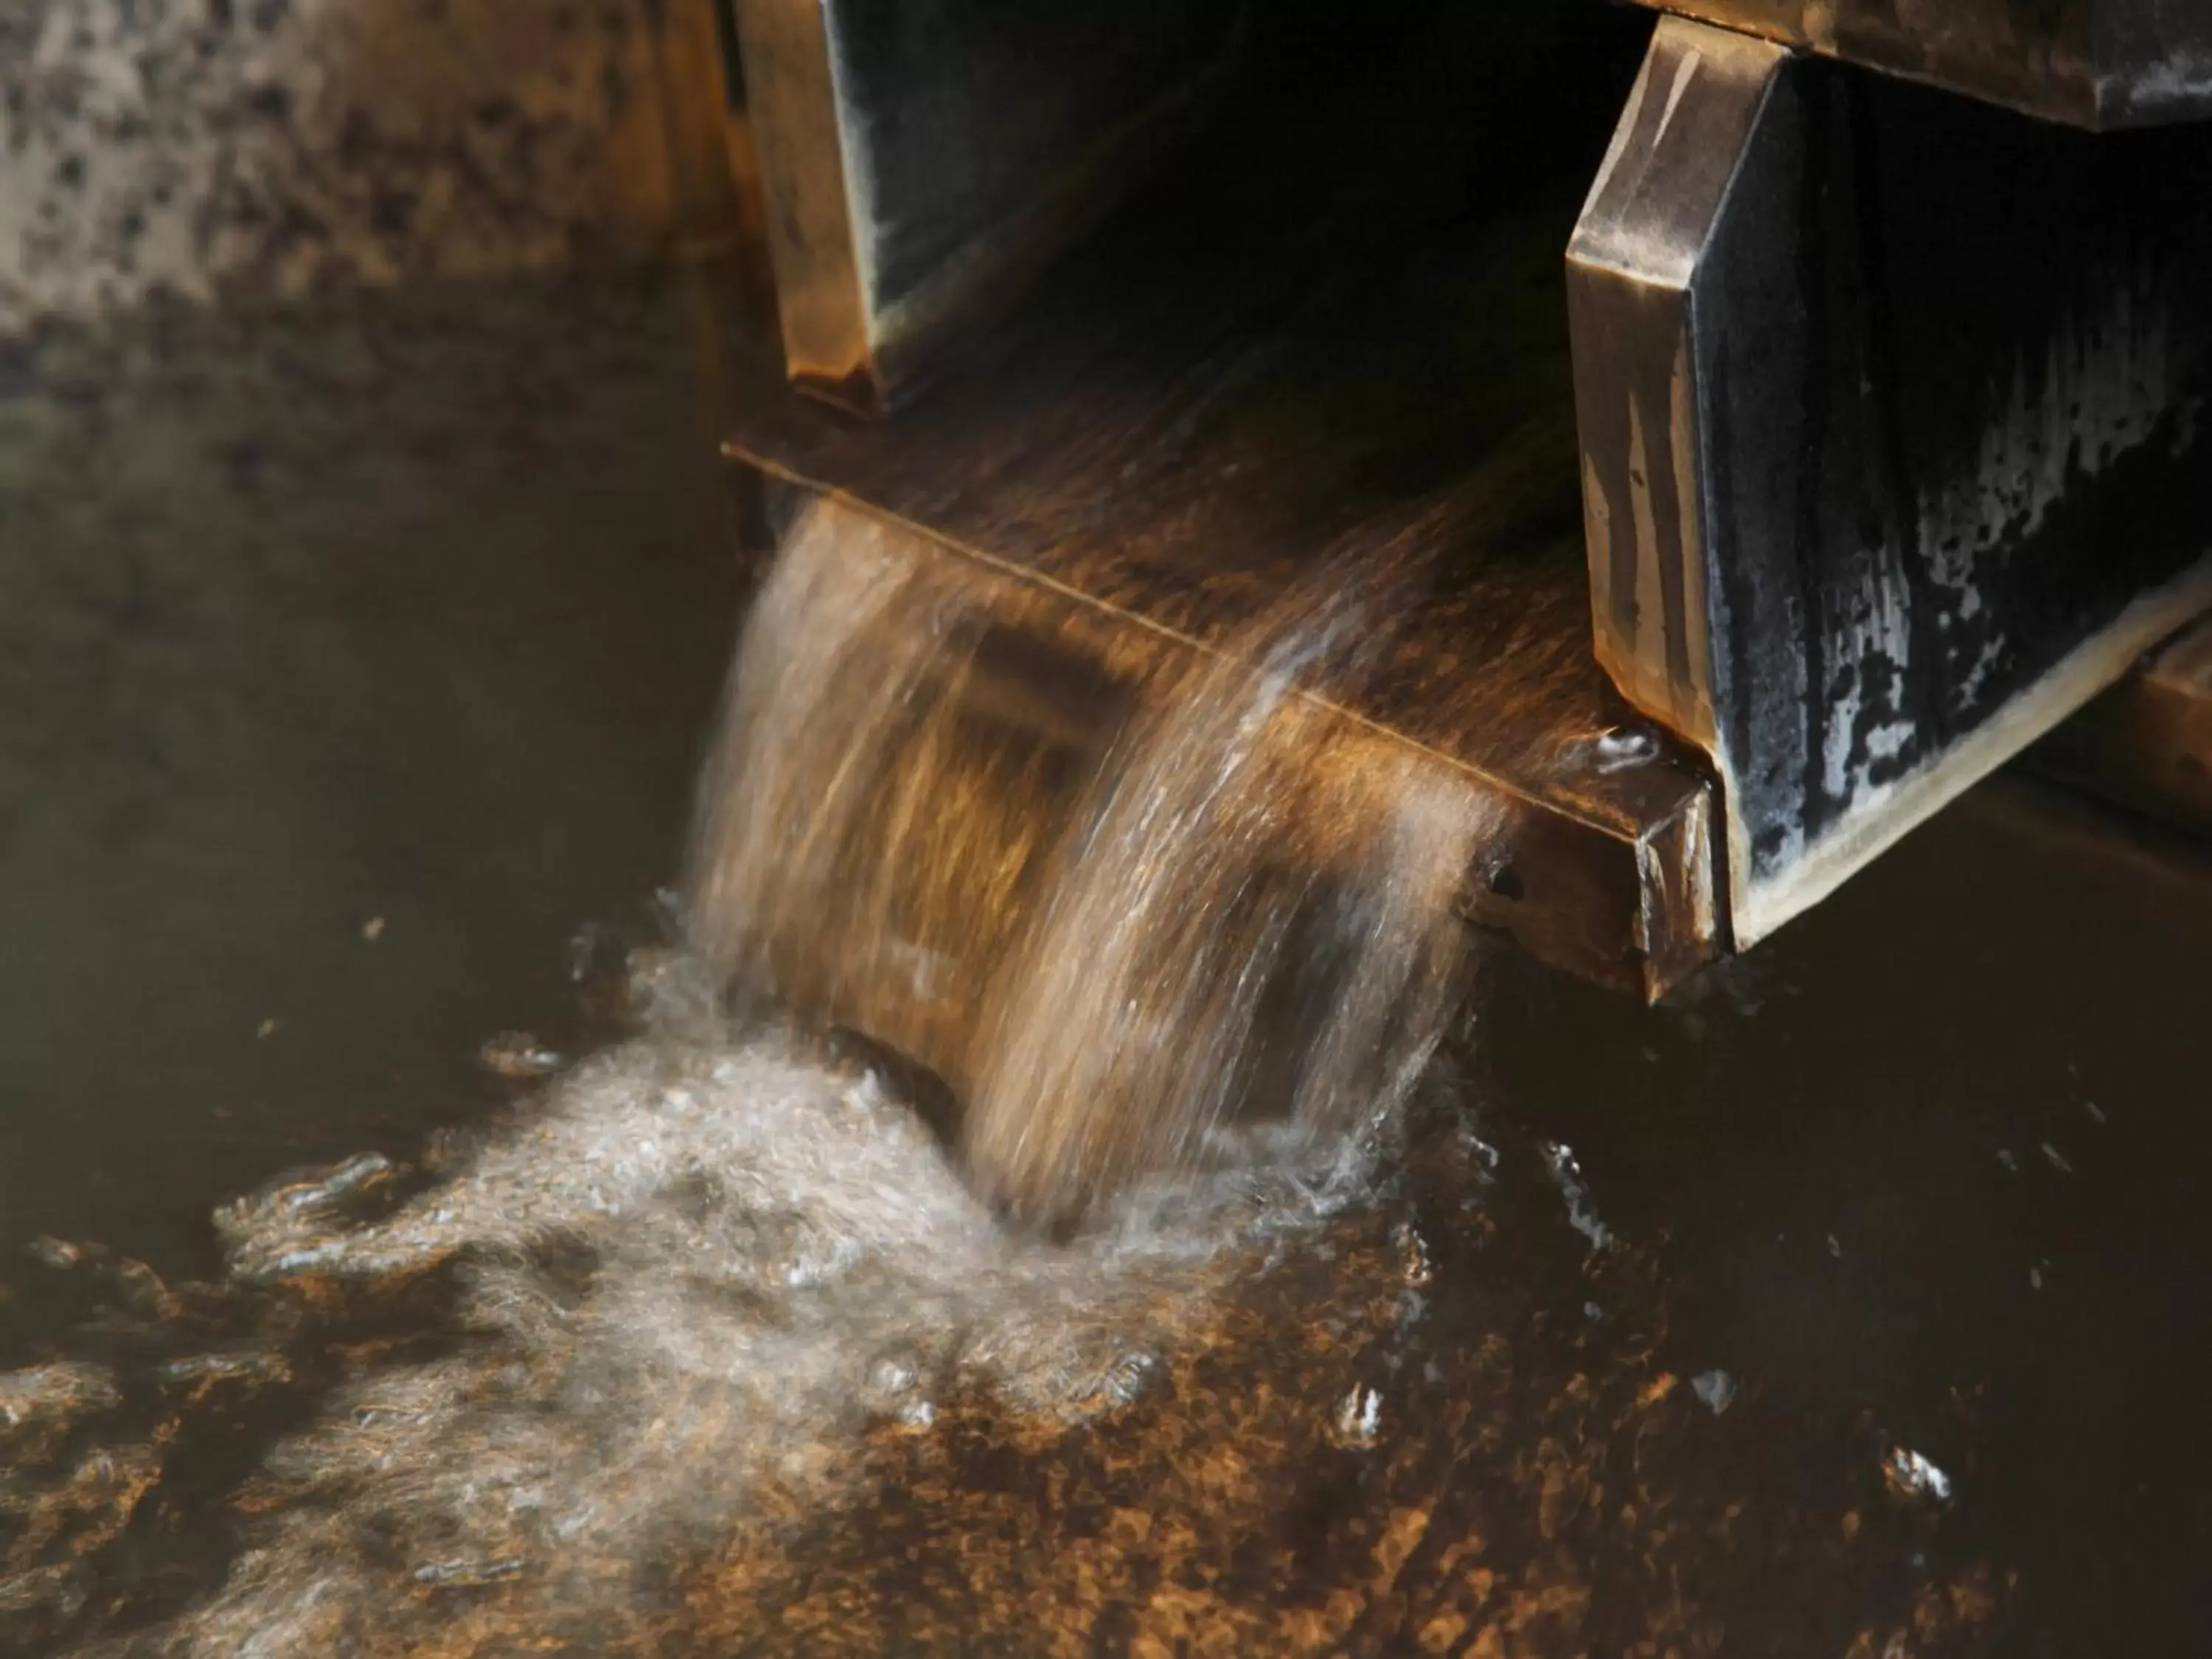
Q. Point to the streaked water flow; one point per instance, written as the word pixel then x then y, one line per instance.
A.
pixel 1117 891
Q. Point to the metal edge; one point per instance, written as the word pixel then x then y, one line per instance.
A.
pixel 2114 90
pixel 1876 823
pixel 1630 266
pixel 1577 891
pixel 813 243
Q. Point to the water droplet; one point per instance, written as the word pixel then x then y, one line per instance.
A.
pixel 1716 1388
pixel 1567 1172
pixel 1623 747
pixel 1359 1417
pixel 1412 1254
pixel 1910 1475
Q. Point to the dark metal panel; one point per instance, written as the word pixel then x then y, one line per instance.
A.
pixel 1937 412
pixel 922 158
pixel 2087 62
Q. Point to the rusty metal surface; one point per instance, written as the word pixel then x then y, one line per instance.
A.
pixel 2097 64
pixel 1890 451
pixel 1207 406
pixel 921 161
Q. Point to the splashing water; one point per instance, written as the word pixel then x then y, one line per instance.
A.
pixel 688 1286
pixel 1178 932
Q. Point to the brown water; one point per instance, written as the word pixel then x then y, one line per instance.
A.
pixel 1118 892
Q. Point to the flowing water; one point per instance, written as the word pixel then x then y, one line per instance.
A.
pixel 1179 937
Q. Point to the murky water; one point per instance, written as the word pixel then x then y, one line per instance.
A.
pixel 721 1342
pixel 712 1350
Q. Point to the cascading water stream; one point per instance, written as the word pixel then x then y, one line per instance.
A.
pixel 1119 892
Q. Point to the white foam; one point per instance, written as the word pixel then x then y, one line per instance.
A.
pixel 693 1280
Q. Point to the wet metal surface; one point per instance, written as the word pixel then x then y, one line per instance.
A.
pixel 1890 432
pixel 1310 346
pixel 922 161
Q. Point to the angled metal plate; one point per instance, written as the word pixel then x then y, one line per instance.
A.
pixel 1239 383
pixel 1895 452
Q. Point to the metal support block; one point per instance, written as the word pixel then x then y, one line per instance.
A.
pixel 921 158
pixel 1893 429
pixel 2098 63
pixel 2147 742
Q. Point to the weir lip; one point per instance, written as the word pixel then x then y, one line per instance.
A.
pixel 1199 407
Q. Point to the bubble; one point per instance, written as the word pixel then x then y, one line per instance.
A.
pixel 1358 1419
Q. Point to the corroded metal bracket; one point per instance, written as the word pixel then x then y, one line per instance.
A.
pixel 1894 446
pixel 2098 63
pixel 921 159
